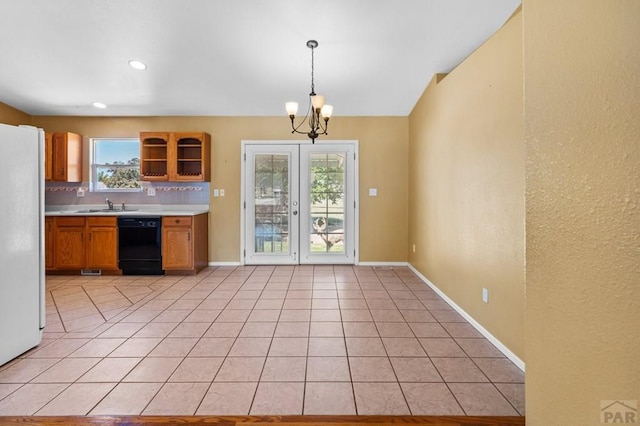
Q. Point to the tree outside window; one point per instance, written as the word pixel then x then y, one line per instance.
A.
pixel 115 165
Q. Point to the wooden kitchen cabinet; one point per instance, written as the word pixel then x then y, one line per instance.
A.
pixel 69 242
pixel 102 243
pixel 79 242
pixel 154 161
pixel 185 243
pixel 175 157
pixel 48 156
pixel 192 157
pixel 49 240
pixel 66 157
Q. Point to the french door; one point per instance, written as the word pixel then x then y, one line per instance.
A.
pixel 299 203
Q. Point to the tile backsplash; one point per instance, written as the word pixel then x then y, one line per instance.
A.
pixel 63 193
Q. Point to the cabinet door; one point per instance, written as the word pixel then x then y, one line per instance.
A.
pixel 67 157
pixel 102 243
pixel 59 157
pixel 49 240
pixel 48 156
pixel 177 246
pixel 69 243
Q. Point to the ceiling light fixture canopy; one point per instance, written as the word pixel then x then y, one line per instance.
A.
pixel 318 113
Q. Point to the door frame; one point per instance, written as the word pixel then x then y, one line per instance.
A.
pixel 356 185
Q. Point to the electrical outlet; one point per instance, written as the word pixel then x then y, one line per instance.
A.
pixel 216 192
pixel 80 192
pixel 485 295
pixel 151 191
pixel 222 192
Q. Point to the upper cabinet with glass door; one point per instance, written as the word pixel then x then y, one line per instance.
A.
pixel 175 157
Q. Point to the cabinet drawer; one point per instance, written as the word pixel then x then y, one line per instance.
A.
pixel 102 221
pixel 70 221
pixel 177 221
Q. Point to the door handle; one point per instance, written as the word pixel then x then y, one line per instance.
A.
pixel 295 212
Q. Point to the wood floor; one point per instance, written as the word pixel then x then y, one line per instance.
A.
pixel 267 420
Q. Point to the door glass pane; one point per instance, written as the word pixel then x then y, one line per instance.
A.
pixel 271 196
pixel 327 203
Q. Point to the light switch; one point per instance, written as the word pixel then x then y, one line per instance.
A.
pixel 373 192
pixel 222 192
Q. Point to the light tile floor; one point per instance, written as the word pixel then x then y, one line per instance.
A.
pixel 258 340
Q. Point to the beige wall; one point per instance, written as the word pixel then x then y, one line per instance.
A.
pixel 12 116
pixel 466 208
pixel 383 148
pixel 582 124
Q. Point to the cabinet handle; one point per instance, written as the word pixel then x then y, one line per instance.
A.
pixel 82 237
pixel 89 236
pixel 188 236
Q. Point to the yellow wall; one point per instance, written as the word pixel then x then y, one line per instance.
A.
pixel 466 208
pixel 383 149
pixel 12 116
pixel 582 124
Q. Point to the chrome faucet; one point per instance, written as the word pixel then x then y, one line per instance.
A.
pixel 123 207
pixel 110 204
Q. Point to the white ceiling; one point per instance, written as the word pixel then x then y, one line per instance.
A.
pixel 233 57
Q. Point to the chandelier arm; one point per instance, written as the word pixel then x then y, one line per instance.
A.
pixel 323 126
pixel 294 127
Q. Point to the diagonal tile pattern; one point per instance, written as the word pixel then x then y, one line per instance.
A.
pixel 258 340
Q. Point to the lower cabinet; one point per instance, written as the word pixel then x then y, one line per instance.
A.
pixel 69 242
pixel 49 241
pixel 185 243
pixel 81 243
pixel 73 243
pixel 102 243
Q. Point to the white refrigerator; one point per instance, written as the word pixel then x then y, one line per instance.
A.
pixel 22 297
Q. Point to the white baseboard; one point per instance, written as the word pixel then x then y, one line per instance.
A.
pixel 225 264
pixel 497 343
pixel 359 264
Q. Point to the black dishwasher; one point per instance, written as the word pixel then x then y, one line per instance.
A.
pixel 140 245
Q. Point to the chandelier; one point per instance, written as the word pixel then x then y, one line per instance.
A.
pixel 318 114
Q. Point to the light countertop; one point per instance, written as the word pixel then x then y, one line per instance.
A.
pixel 143 210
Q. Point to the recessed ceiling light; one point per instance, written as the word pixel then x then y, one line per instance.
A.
pixel 99 105
pixel 137 65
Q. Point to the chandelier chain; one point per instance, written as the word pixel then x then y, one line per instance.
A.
pixel 313 91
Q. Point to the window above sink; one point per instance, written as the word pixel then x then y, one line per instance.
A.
pixel 115 165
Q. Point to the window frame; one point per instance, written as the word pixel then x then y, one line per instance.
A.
pixel 93 179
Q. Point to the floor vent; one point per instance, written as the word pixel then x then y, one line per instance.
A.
pixel 91 272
